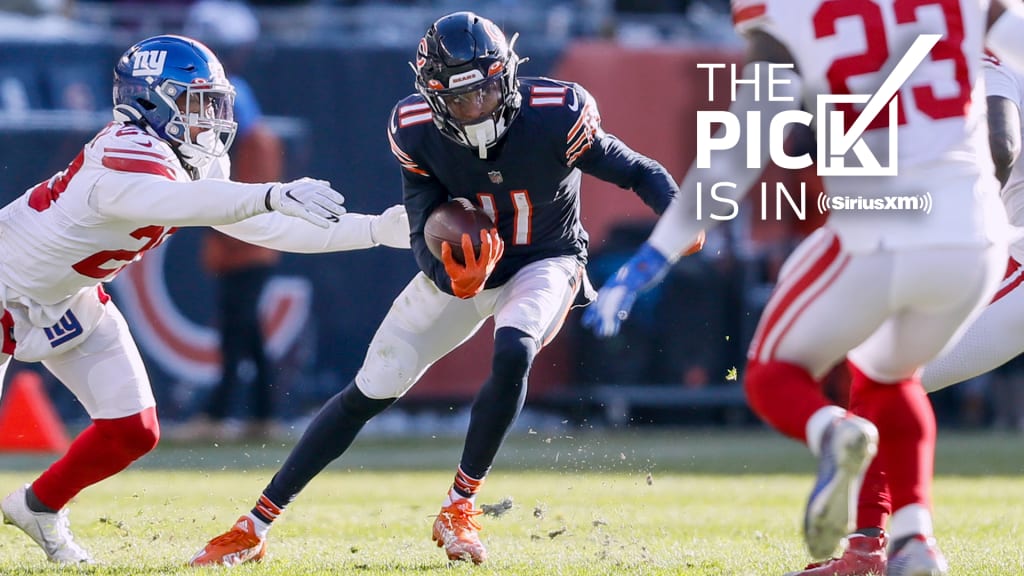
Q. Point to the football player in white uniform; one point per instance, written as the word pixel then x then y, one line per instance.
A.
pixel 994 338
pixel 888 290
pixel 159 165
pixel 990 341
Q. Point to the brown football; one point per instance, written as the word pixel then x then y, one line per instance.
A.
pixel 449 221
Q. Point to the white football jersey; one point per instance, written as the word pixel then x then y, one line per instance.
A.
pixel 850 48
pixel 120 197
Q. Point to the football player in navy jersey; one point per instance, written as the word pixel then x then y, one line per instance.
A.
pixel 517 148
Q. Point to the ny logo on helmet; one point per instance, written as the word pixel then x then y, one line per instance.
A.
pixel 149 63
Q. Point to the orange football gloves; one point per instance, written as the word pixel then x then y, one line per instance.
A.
pixel 469 280
pixel 697 245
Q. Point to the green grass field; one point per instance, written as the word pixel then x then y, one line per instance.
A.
pixel 687 502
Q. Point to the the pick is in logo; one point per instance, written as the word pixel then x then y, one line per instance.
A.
pixel 840 139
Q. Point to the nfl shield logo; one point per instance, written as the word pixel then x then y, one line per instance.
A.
pixel 495 177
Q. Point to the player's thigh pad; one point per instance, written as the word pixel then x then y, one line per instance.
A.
pixel 936 292
pixel 43 331
pixel 105 372
pixel 825 303
pixel 537 299
pixel 423 324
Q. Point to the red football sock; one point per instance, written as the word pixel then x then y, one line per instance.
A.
pixel 783 395
pixel 906 437
pixel 875 504
pixel 103 449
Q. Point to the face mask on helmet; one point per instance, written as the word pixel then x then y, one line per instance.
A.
pixel 175 88
pixel 467 73
pixel 477 112
pixel 204 127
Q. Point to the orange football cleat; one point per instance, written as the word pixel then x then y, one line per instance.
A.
pixel 236 546
pixel 458 532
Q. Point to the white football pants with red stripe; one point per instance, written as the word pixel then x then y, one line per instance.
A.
pixel 995 337
pixel 891 311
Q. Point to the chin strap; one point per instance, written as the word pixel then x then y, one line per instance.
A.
pixel 481 141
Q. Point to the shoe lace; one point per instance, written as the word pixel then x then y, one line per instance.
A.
pixel 460 515
pixel 59 533
pixel 235 536
pixel 62 529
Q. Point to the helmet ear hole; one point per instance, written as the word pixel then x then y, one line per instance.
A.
pixel 146 104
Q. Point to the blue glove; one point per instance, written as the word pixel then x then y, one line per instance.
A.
pixel 645 269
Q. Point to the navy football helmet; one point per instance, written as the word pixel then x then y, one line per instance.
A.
pixel 170 85
pixel 467 72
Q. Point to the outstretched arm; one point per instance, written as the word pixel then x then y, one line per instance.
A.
pixel 153 199
pixel 681 227
pixel 351 232
pixel 681 223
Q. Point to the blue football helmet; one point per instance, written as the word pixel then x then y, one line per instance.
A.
pixel 171 85
pixel 467 73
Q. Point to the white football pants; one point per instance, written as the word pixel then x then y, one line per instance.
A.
pixel 995 337
pixel 425 323
pixel 105 371
pixel 889 311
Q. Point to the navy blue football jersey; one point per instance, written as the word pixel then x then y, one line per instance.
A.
pixel 530 182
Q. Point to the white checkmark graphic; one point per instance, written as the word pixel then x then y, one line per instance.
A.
pixel 914 56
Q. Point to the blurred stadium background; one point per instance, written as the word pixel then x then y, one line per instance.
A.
pixel 327 72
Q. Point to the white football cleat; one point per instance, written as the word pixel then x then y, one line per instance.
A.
pixel 918 557
pixel 847 448
pixel 51 531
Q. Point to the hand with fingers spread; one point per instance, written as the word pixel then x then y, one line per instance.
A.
pixel 312 200
pixel 616 298
pixel 469 280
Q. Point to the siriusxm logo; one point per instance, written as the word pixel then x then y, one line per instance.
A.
pixel 834 203
pixel 717 202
